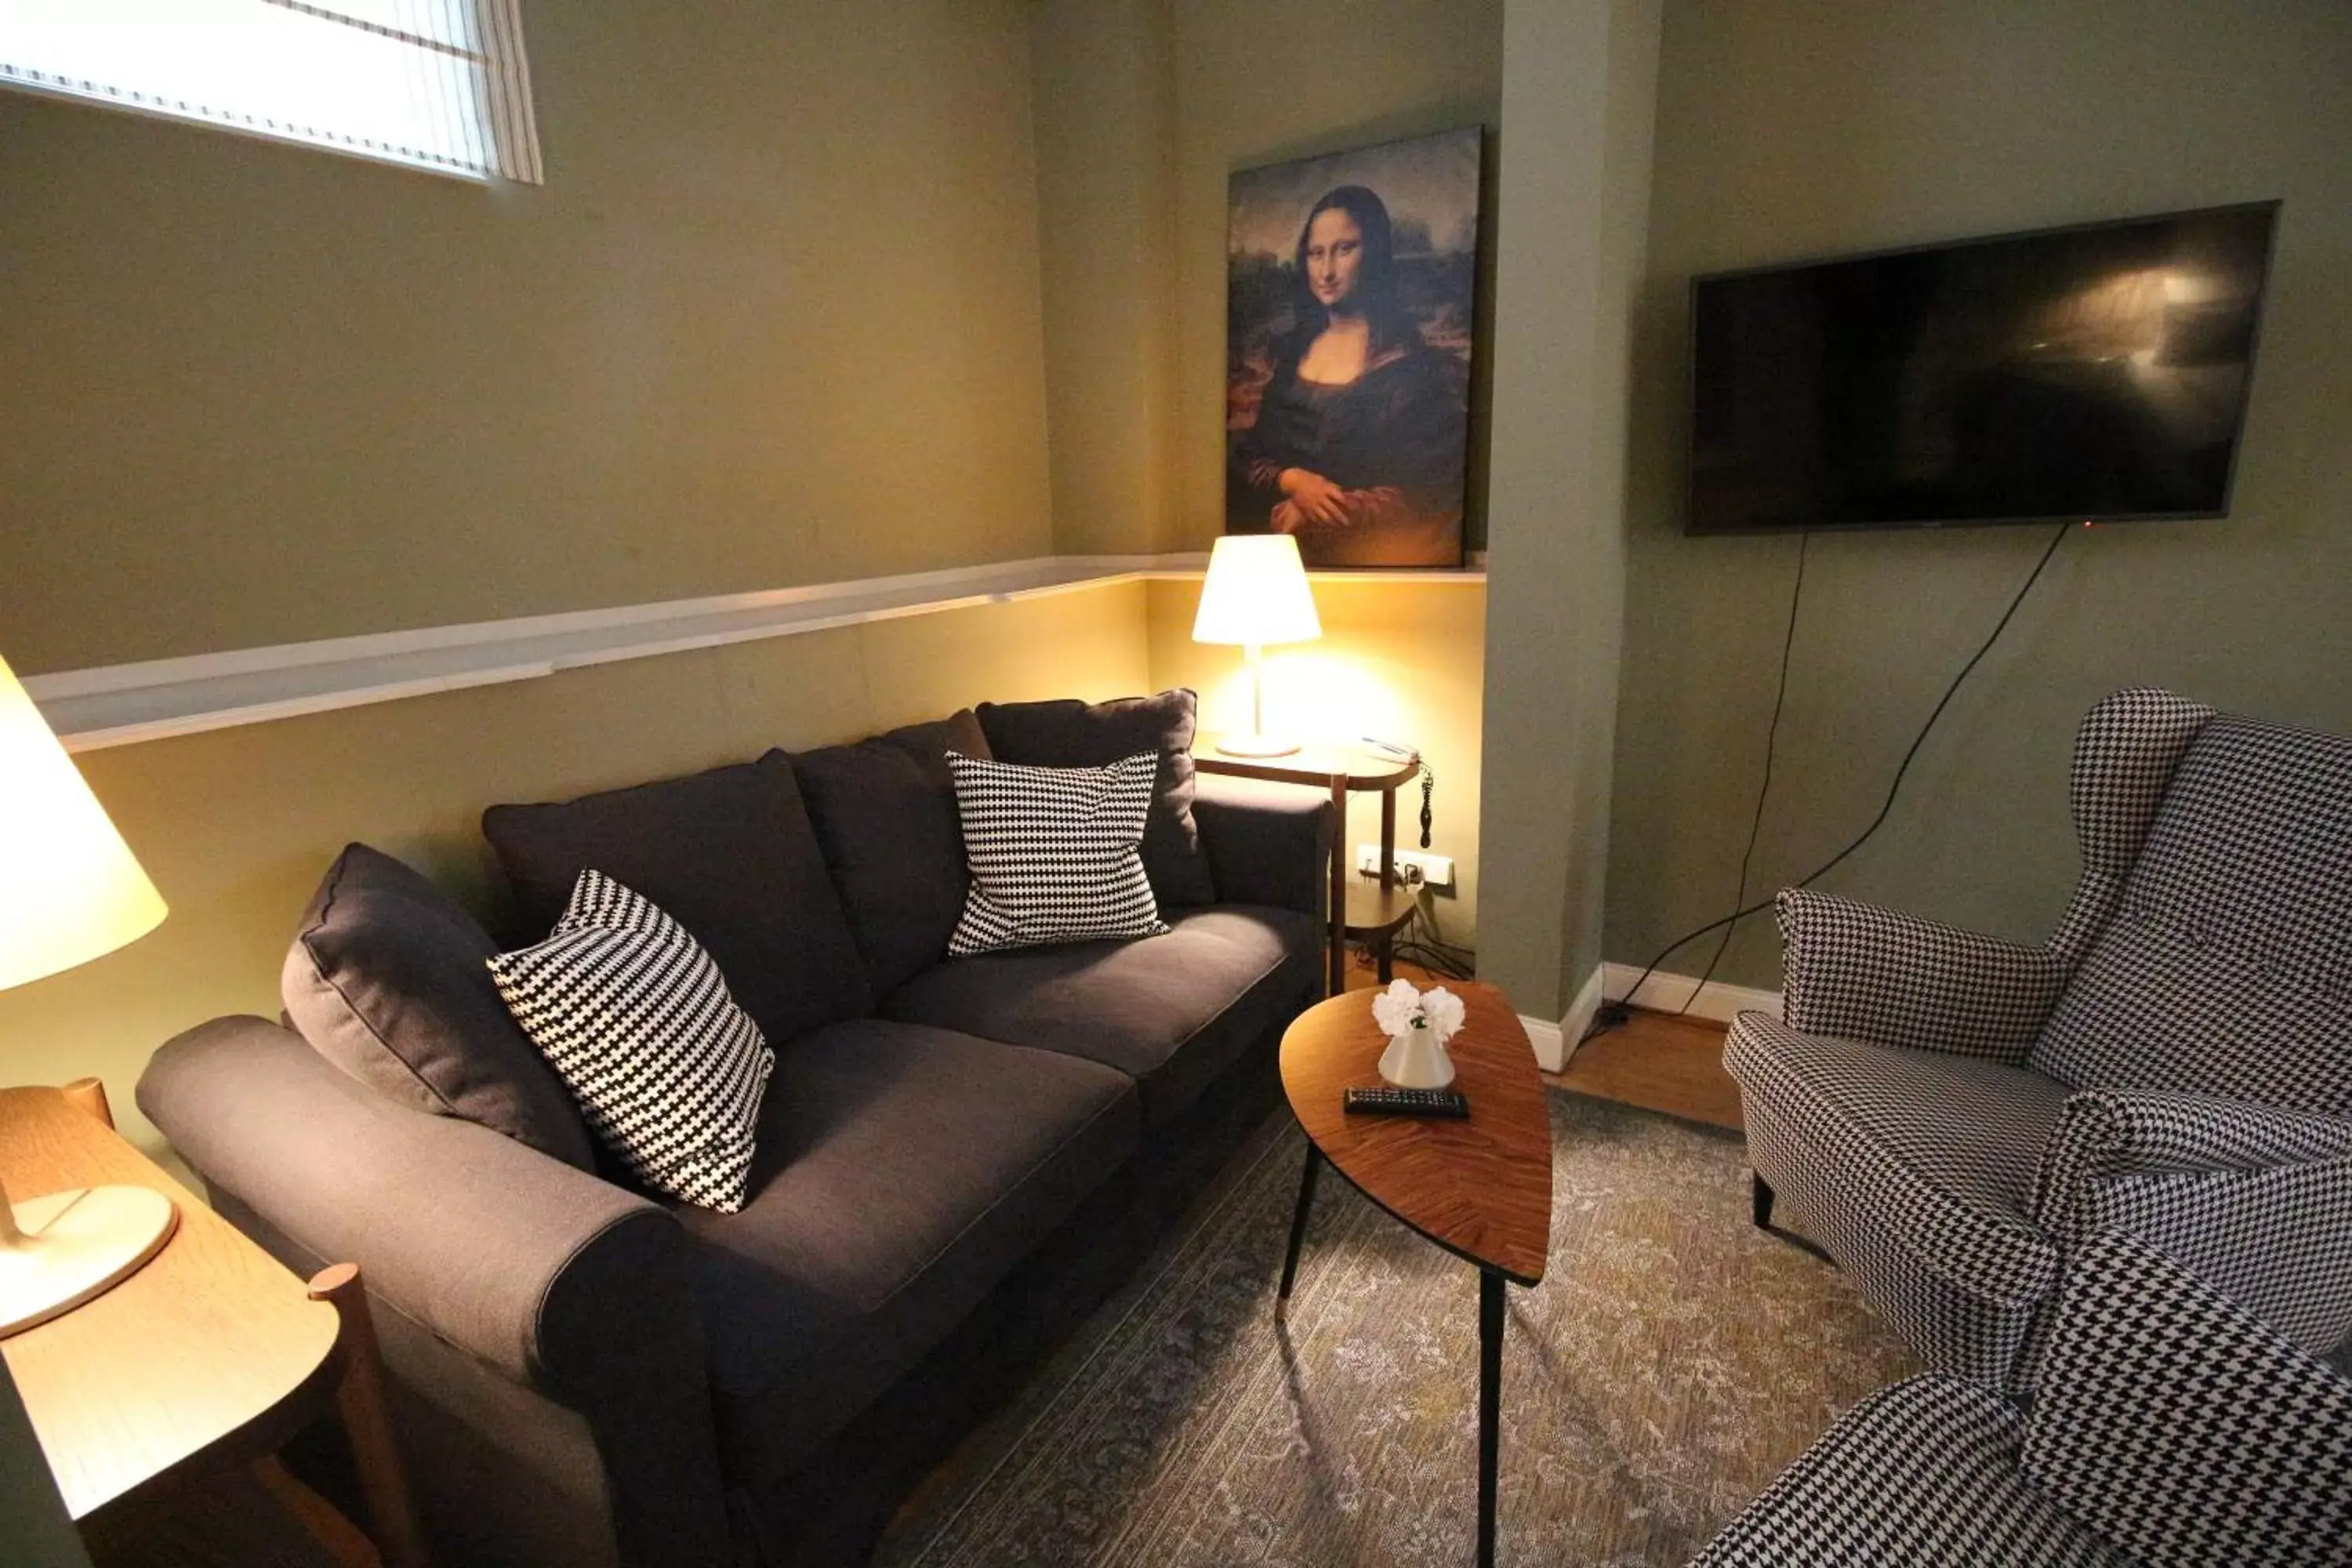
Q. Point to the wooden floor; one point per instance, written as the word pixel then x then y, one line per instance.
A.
pixel 1655 1061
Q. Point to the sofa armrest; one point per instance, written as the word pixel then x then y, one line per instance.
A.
pixel 1854 969
pixel 1267 842
pixel 555 1279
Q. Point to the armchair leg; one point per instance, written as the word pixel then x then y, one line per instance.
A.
pixel 1761 1197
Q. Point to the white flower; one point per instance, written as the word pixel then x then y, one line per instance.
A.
pixel 1445 1010
pixel 1395 1009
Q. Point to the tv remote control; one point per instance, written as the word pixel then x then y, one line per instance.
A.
pixel 1406 1102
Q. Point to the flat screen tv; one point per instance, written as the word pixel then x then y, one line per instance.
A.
pixel 2094 373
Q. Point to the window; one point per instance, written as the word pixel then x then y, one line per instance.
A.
pixel 434 84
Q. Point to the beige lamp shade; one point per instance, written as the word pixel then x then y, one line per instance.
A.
pixel 70 889
pixel 1256 593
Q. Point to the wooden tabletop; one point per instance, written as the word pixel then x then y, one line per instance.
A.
pixel 1362 767
pixel 209 1354
pixel 1479 1187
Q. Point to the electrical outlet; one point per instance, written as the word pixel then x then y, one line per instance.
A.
pixel 1436 870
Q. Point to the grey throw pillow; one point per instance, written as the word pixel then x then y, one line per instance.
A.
pixel 385 979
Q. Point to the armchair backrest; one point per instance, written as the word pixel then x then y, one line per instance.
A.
pixel 2221 962
pixel 2182 1429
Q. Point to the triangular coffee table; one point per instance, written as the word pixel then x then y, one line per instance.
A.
pixel 1478 1186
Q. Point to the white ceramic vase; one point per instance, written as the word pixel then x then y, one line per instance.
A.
pixel 1415 1059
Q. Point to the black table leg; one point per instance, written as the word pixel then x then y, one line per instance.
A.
pixel 1298 1220
pixel 1490 1397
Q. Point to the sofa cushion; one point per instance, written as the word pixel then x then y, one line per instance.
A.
pixel 885 815
pixel 730 854
pixel 386 980
pixel 638 1020
pixel 1069 734
pixel 1172 1012
pixel 902 1172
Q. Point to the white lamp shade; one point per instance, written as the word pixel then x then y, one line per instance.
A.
pixel 70 889
pixel 1256 593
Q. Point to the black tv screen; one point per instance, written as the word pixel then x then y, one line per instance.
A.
pixel 2094 373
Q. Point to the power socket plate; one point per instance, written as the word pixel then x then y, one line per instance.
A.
pixel 1436 870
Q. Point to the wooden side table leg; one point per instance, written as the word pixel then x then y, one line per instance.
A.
pixel 1336 980
pixel 383 1481
pixel 1388 879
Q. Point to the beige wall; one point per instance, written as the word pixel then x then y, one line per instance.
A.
pixel 1106 91
pixel 237 826
pixel 1403 661
pixel 1794 131
pixel 774 319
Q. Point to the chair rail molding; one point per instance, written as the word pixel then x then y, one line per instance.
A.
pixel 154 700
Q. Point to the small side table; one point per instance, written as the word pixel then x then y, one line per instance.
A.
pixel 209 1358
pixel 1374 913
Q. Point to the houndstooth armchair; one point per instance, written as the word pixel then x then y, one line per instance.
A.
pixel 2171 1427
pixel 1948 1114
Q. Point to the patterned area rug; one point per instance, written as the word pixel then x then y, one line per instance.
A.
pixel 1673 1358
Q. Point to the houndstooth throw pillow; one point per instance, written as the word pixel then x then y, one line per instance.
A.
pixel 1053 853
pixel 636 1020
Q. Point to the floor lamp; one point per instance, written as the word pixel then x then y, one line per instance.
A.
pixel 70 891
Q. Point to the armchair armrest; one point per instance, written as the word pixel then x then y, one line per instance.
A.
pixel 559 1280
pixel 1267 842
pixel 1876 974
pixel 2182 1429
pixel 2255 1199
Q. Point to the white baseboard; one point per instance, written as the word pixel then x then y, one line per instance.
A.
pixel 1579 1022
pixel 1667 992
pixel 1550 1041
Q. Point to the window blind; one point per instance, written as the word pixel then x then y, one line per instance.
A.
pixel 434 84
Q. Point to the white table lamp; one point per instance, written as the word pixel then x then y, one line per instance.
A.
pixel 1257 594
pixel 70 890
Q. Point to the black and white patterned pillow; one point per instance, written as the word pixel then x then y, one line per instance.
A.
pixel 637 1021
pixel 1053 853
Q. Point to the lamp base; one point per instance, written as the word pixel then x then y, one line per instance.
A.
pixel 1255 746
pixel 76 1244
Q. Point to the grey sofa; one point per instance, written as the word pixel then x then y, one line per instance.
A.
pixel 2172 1428
pixel 957 1158
pixel 1949 1115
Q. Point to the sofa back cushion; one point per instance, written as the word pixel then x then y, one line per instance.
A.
pixel 885 813
pixel 387 979
pixel 730 854
pixel 2227 968
pixel 1069 734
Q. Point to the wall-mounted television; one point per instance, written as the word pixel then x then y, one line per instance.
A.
pixel 2096 374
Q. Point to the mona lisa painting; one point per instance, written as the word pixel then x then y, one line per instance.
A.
pixel 1352 281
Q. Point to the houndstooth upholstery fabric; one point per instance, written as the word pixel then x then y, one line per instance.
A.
pixel 1854 969
pixel 1923 1474
pixel 2173 1430
pixel 635 1017
pixel 1913 1169
pixel 2241 894
pixel 1055 853
pixel 2182 1430
pixel 2201 980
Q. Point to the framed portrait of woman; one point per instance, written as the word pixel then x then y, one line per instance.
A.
pixel 1352 286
